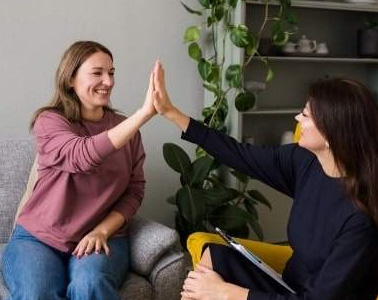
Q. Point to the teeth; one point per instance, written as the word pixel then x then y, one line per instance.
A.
pixel 104 92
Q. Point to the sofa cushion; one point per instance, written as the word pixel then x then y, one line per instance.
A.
pixel 16 158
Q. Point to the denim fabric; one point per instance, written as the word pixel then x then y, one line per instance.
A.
pixel 35 271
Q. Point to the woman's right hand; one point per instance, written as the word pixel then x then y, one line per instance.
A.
pixel 163 104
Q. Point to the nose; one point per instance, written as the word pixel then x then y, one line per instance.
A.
pixel 298 117
pixel 108 80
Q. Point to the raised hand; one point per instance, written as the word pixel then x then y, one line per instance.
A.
pixel 162 103
pixel 148 105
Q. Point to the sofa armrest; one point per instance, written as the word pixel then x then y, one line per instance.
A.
pixel 149 241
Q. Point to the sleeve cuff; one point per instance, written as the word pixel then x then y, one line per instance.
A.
pixel 195 133
pixel 103 145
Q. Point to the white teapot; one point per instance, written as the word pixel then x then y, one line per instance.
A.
pixel 306 45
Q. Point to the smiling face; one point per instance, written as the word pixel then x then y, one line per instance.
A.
pixel 310 137
pixel 93 83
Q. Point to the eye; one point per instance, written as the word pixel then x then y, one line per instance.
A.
pixel 111 73
pixel 97 73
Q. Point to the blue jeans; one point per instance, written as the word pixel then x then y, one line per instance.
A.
pixel 35 271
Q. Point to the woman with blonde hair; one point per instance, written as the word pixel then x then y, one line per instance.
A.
pixel 70 239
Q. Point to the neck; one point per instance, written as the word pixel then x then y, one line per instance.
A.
pixel 93 115
pixel 328 163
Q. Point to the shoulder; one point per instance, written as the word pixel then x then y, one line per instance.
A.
pixel 51 117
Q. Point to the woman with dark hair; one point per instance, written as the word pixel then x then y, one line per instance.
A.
pixel 70 239
pixel 332 176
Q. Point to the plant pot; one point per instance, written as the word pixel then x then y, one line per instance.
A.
pixel 368 42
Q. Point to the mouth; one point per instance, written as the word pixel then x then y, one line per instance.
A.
pixel 103 91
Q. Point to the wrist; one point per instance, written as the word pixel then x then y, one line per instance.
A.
pixel 235 292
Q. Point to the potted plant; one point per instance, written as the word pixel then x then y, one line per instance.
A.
pixel 367 39
pixel 205 200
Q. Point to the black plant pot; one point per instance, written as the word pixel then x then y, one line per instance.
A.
pixel 368 42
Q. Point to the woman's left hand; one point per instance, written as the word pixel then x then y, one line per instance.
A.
pixel 93 241
pixel 204 284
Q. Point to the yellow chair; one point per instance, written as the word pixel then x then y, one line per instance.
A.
pixel 274 255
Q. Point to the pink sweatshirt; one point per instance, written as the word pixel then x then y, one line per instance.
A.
pixel 81 179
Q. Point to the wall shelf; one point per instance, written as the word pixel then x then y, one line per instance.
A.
pixel 326 5
pixel 353 60
pixel 275 111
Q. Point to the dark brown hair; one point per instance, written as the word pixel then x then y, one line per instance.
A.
pixel 346 113
pixel 65 101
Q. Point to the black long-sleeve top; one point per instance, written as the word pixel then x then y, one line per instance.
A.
pixel 335 244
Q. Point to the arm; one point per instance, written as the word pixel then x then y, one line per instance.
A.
pixel 61 147
pixel 273 166
pixel 130 201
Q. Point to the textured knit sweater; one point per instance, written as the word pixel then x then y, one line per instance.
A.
pixel 81 179
pixel 335 245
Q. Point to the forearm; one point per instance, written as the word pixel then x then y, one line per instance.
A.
pixel 123 132
pixel 235 292
pixel 110 224
pixel 178 118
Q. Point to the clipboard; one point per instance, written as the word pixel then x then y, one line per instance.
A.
pixel 254 259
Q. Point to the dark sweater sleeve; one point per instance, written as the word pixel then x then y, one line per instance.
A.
pixel 352 258
pixel 271 165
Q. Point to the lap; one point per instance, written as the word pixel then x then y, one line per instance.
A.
pixel 115 265
pixel 31 264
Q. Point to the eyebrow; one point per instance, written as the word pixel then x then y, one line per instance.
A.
pixel 99 68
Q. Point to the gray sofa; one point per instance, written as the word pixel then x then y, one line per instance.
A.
pixel 157 263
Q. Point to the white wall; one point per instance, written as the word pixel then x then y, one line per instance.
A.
pixel 35 33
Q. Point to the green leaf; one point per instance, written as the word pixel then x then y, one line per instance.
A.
pixel 257 228
pixel 253 46
pixel 269 75
pixel 192 11
pixel 232 3
pixel 211 88
pixel 240 36
pixel 171 200
pixel 281 38
pixel 244 101
pixel 200 152
pixel 240 176
pixel 234 75
pixel 190 204
pixel 230 217
pixel 200 170
pixel 219 12
pixel 194 51
pixel 204 68
pixel 176 158
pixel 205 3
pixel 250 207
pixel 219 195
pixel 192 34
pixel 214 75
pixel 256 195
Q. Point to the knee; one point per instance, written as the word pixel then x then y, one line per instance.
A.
pixel 90 284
